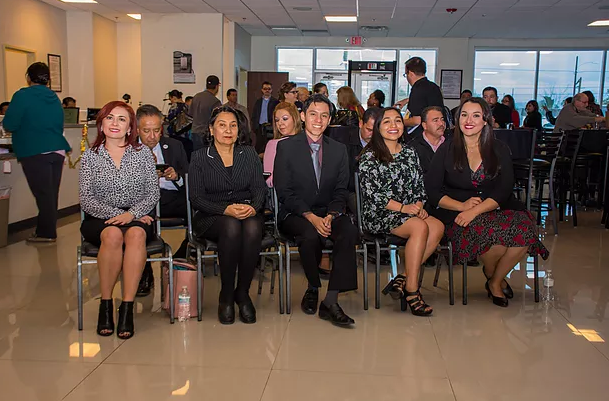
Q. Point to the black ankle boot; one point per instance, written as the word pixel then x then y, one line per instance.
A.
pixel 226 309
pixel 105 319
pixel 247 311
pixel 125 328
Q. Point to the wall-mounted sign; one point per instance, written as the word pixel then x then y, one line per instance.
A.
pixel 450 83
pixel 355 40
pixel 54 61
pixel 183 73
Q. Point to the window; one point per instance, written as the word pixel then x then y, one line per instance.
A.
pixel 605 97
pixel 511 72
pixel 430 57
pixel 298 63
pixel 338 59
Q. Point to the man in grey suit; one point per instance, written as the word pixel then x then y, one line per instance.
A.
pixel 201 108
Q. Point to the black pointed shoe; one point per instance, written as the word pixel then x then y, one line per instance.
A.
pixel 499 301
pixel 507 291
pixel 226 312
pixel 247 311
pixel 335 314
pixel 309 301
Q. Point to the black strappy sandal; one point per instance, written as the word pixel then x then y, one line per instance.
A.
pixel 395 287
pixel 507 291
pixel 125 328
pixel 105 319
pixel 418 307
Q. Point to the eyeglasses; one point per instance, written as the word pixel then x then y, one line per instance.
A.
pixel 293 92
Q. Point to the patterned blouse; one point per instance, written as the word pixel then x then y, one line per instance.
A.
pixel 400 180
pixel 107 192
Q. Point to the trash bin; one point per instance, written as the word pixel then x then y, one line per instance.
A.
pixel 5 195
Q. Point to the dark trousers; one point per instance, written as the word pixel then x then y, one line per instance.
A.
pixel 343 276
pixel 43 174
pixel 239 243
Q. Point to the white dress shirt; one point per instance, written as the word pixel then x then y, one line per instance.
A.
pixel 164 183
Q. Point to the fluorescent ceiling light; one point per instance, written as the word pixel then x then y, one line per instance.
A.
pixel 602 22
pixel 284 28
pixel 509 64
pixel 79 1
pixel 341 18
pixel 135 16
pixel 489 72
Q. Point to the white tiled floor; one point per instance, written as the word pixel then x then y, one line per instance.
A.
pixel 466 353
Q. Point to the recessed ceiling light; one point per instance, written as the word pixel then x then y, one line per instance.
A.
pixel 79 1
pixel 489 72
pixel 302 8
pixel 509 64
pixel 284 28
pixel 602 22
pixel 135 16
pixel 341 18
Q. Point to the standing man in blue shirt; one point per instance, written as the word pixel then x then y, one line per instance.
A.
pixel 263 116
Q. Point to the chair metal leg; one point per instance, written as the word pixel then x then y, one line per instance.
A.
pixel 199 287
pixel 79 285
pixel 365 269
pixel 438 268
pixel 395 260
pixel 273 274
pixel 421 274
pixel 465 283
pixel 288 280
pixel 377 276
pixel 451 287
pixel 573 203
pixel 536 277
pixel 171 291
pixel 539 201
pixel 261 273
pixel 215 266
pixel 553 206
pixel 281 289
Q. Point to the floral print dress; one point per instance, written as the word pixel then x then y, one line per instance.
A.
pixel 400 180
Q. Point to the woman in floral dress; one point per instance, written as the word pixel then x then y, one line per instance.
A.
pixel 393 193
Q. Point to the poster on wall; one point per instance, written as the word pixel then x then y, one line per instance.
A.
pixel 450 83
pixel 183 72
pixel 54 61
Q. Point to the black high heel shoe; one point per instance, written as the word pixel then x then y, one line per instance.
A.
pixel 125 328
pixel 507 291
pixel 499 301
pixel 395 288
pixel 418 307
pixel 105 319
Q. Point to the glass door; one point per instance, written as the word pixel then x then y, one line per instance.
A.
pixel 333 81
pixel 364 83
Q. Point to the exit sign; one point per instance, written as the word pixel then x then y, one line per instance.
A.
pixel 355 40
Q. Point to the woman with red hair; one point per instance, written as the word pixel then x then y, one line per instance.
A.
pixel 118 189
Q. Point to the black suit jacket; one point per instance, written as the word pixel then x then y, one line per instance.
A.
pixel 273 102
pixel 212 188
pixel 423 149
pixel 443 179
pixel 174 155
pixel 354 148
pixel 294 177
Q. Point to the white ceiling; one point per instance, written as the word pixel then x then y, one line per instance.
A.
pixel 412 18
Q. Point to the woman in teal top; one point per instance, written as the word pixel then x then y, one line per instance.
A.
pixel 35 119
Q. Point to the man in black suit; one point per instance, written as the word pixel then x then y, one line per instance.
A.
pixel 170 153
pixel 426 143
pixel 502 115
pixel 263 116
pixel 311 178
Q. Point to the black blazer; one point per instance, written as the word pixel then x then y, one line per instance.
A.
pixel 294 177
pixel 273 102
pixel 533 120
pixel 174 155
pixel 423 149
pixel 212 188
pixel 443 179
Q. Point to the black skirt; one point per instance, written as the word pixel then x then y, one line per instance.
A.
pixel 92 227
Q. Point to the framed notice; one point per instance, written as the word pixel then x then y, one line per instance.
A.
pixel 450 83
pixel 54 61
pixel 183 73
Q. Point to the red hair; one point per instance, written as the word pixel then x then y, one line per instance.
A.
pixel 104 112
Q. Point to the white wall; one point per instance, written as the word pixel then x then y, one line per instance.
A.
pixel 35 26
pixel 243 48
pixel 105 60
pixel 228 79
pixel 198 34
pixel 129 60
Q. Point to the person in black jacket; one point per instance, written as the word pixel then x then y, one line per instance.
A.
pixel 311 176
pixel 502 114
pixel 426 143
pixel 470 182
pixel 533 118
pixel 262 115
pixel 228 192
pixel 171 153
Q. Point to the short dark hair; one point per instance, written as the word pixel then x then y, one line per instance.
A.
pixel 489 88
pixel 231 90
pixel 266 83
pixel 175 93
pixel 464 91
pixel 569 100
pixel 4 104
pixel 188 98
pixel 317 87
pixel 426 111
pixel 380 96
pixel 148 110
pixel 417 65
pixel 318 98
pixel 67 100
pixel 371 113
pixel 39 73
pixel 285 88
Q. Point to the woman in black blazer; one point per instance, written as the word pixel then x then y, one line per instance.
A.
pixel 470 182
pixel 228 191
pixel 533 118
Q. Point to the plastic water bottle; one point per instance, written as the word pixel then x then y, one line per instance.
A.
pixel 548 287
pixel 184 305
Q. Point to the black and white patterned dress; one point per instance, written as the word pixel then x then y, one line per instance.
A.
pixel 107 192
pixel 400 180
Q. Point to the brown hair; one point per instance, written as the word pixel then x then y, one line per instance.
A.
pixel 285 88
pixel 346 94
pixel 292 111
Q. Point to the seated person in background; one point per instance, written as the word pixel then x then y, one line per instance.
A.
pixel 188 100
pixel 4 107
pixel 170 157
pixel 592 106
pixel 470 182
pixel 303 94
pixel 533 118
pixel 68 102
pixel 549 116
pixel 502 115
pixel 348 101
pixel 311 176
pixel 228 192
pixel 393 192
pixel 376 99
pixel 465 95
pixel 575 115
pixel 426 143
pixel 320 88
pixel 508 100
pixel 118 190
pixel 286 122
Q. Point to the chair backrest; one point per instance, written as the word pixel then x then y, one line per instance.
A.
pixel 571 145
pixel 358 202
pixel 275 209
pixel 548 145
